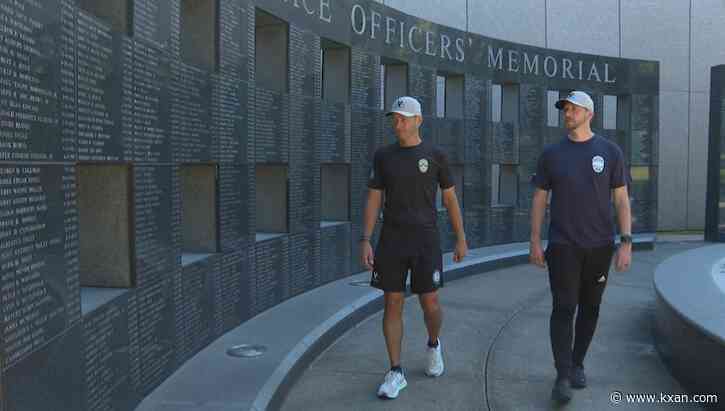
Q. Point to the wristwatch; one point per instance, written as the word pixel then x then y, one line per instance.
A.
pixel 625 239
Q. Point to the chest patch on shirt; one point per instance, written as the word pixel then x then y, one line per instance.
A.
pixel 423 165
pixel 598 164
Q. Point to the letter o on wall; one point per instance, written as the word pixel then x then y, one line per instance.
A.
pixel 358 8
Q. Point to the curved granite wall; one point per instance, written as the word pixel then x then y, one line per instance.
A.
pixel 689 326
pixel 149 87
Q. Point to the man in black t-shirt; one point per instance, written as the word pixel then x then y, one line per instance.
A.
pixel 407 175
pixel 583 172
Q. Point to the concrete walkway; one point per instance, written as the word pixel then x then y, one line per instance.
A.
pixel 496 346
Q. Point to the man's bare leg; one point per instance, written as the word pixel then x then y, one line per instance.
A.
pixel 393 325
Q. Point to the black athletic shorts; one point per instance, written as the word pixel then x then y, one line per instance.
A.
pixel 578 275
pixel 401 251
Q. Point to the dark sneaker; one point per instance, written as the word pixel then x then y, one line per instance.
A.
pixel 561 392
pixel 578 378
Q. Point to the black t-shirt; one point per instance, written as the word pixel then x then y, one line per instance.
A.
pixel 581 176
pixel 410 177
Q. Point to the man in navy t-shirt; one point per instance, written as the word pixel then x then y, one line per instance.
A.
pixel 583 172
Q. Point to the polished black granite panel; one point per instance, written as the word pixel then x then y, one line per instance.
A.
pixel 235 48
pixel 271 274
pixel 335 251
pixel 62 375
pixel 110 340
pixel 304 166
pixel 194 292
pixel 157 243
pixel 334 140
pixel 714 216
pixel 230 119
pixel 304 264
pixel 190 98
pixel 39 284
pixel 271 122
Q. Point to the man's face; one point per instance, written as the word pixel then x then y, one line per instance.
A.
pixel 403 125
pixel 575 116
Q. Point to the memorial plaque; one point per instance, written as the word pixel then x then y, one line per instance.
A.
pixel 714 215
pixel 335 253
pixel 230 120
pixel 68 81
pixel 233 207
pixel 157 203
pixel 365 80
pixel 107 357
pixel 57 386
pixel 134 351
pixel 447 235
pixel 234 50
pixel 271 133
pixel 643 133
pixel 477 184
pixel 267 280
pixel 366 138
pixel 476 219
pixel 422 86
pixel 304 264
pixel 30 82
pixel 504 143
pixel 105 83
pixel 247 268
pixel 522 222
pixel 335 134
pixel 194 308
pixel 228 295
pixel 190 113
pixel 475 90
pixel 150 108
pixel 500 224
pixel 304 176
pixel 35 293
pixel 71 245
pixel 305 60
pixel 450 137
pixel 152 21
pixel 643 194
pixel 532 119
pixel 473 141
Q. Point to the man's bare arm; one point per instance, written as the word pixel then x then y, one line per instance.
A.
pixel 450 202
pixel 372 210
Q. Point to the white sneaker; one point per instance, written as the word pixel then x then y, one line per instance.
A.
pixel 435 361
pixel 393 384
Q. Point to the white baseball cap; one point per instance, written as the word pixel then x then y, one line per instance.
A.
pixel 405 106
pixel 578 98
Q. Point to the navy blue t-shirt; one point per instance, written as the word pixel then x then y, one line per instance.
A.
pixel 581 176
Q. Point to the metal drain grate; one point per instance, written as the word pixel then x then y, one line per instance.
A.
pixel 246 351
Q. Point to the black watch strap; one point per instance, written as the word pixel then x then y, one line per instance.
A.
pixel 625 239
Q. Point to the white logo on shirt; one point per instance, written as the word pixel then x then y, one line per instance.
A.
pixel 602 279
pixel 598 164
pixel 423 165
pixel 436 277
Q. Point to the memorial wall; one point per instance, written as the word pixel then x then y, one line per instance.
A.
pixel 171 168
pixel 715 212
